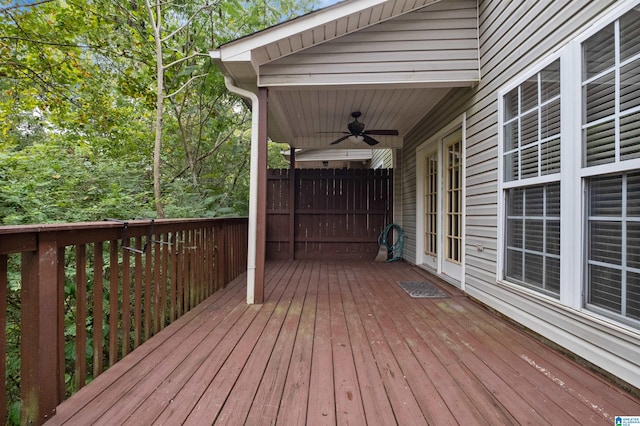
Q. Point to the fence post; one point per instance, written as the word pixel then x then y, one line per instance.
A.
pixel 39 332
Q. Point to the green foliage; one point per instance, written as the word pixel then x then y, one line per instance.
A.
pixel 77 104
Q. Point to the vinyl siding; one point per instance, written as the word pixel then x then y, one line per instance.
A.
pixel 384 157
pixel 514 36
pixel 438 43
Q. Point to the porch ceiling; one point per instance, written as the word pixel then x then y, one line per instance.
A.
pixel 392 60
pixel 298 117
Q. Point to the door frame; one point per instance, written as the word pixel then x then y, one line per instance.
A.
pixel 427 148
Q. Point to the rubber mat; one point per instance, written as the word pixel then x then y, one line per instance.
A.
pixel 422 290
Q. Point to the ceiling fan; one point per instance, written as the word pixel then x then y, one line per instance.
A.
pixel 356 128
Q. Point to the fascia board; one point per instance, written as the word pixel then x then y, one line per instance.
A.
pixel 295 26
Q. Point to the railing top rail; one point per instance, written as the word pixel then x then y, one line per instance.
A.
pixel 23 238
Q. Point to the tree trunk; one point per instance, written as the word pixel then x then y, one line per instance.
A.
pixel 157 148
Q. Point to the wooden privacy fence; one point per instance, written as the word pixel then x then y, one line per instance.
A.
pixel 89 293
pixel 327 213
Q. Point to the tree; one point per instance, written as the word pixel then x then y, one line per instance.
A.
pixel 105 75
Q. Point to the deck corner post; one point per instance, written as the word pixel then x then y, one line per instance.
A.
pixel 261 229
pixel 39 332
pixel 292 203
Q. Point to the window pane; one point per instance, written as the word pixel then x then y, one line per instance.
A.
pixel 529 131
pixel 511 140
pixel 633 245
pixel 533 269
pixel 600 97
pixel 529 163
pixel 511 104
pixel 605 288
pixel 552 275
pixel 553 200
pixel 534 201
pixel 550 157
pixel 633 295
pixel 630 136
pixel 629 34
pixel 550 81
pixel 515 197
pixel 553 237
pixel 529 94
pixel 605 242
pixel 633 194
pixel 550 119
pixel 606 196
pixel 630 86
pixel 511 167
pixel 514 265
pixel 514 233
pixel 601 144
pixel 534 235
pixel 598 52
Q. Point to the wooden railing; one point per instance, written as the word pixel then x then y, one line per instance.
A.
pixel 82 296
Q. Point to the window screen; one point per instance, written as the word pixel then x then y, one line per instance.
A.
pixel 613 259
pixel 533 237
pixel 611 136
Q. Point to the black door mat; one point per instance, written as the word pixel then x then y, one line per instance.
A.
pixel 422 290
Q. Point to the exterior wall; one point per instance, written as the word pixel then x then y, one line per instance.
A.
pixel 434 44
pixel 514 36
pixel 382 159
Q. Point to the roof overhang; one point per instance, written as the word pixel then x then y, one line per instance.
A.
pixel 392 60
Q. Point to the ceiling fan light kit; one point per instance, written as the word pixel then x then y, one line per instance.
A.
pixel 357 132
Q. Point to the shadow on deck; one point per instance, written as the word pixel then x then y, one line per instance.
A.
pixel 341 343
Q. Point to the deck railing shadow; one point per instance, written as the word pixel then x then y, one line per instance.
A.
pixel 82 296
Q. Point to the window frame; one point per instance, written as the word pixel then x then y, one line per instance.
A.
pixel 540 180
pixel 617 167
pixel 574 174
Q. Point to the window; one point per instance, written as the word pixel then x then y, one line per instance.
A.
pixel 531 165
pixel 531 132
pixel 613 257
pixel 533 237
pixel 570 173
pixel 610 143
pixel 611 93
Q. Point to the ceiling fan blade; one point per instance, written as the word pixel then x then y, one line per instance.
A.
pixel 341 139
pixel 381 132
pixel 369 140
pixel 337 131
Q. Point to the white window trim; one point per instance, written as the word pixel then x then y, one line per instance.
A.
pixel 539 180
pixel 573 286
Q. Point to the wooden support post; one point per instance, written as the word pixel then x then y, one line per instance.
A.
pixel 292 203
pixel 39 333
pixel 261 229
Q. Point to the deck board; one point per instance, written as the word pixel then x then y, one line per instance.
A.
pixel 341 343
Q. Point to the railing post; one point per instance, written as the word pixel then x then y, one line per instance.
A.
pixel 3 338
pixel 221 257
pixel 39 332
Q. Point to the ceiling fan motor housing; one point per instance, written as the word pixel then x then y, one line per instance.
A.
pixel 356 127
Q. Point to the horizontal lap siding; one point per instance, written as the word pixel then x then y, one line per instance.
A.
pixel 513 37
pixel 436 43
pixel 384 157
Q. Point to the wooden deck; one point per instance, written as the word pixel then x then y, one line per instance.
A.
pixel 341 343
